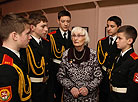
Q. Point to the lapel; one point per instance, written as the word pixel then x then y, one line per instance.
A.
pixel 61 41
pixel 36 47
pixel 105 44
pixel 125 57
pixel 59 35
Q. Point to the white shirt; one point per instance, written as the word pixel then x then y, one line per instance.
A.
pixel 123 53
pixel 62 32
pixel 36 39
pixel 114 38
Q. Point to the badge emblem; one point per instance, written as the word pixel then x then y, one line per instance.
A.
pixel 5 94
pixel 135 78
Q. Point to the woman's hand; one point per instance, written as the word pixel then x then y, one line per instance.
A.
pixel 83 91
pixel 75 92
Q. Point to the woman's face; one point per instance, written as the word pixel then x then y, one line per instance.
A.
pixel 78 39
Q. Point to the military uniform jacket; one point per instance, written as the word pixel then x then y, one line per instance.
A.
pixel 60 41
pixel 125 75
pixel 112 52
pixel 38 51
pixel 9 77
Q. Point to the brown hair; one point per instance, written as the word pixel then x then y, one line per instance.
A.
pixel 129 31
pixel 11 23
pixel 36 18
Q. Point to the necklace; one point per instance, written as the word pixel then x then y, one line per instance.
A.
pixel 76 56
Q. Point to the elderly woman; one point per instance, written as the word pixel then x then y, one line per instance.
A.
pixel 79 71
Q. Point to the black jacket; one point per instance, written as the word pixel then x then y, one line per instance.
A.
pixel 60 41
pixel 9 77
pixel 112 51
pixel 124 75
pixel 38 52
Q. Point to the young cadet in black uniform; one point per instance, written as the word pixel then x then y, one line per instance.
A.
pixel 15 84
pixel 37 56
pixel 106 53
pixel 124 77
pixel 60 41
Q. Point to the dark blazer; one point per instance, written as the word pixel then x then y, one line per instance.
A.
pixel 9 76
pixel 123 76
pixel 60 41
pixel 112 51
pixel 38 52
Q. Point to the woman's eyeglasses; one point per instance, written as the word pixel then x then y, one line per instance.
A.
pixel 79 36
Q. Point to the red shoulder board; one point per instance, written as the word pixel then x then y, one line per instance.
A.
pixel 7 60
pixel 45 39
pixel 5 94
pixel 52 33
pixel 134 55
pixel 103 38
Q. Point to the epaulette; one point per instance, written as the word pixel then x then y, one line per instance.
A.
pixel 134 55
pixel 103 38
pixel 45 39
pixel 7 60
pixel 52 33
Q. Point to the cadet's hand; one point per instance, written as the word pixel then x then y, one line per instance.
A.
pixel 75 92
pixel 83 91
pixel 54 95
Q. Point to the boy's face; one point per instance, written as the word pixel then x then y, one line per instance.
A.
pixel 64 23
pixel 122 42
pixel 111 28
pixel 24 37
pixel 40 30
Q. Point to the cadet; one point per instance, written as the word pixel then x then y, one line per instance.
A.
pixel 15 84
pixel 124 77
pixel 106 53
pixel 60 41
pixel 37 56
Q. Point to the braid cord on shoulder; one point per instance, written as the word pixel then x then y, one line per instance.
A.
pixel 100 50
pixel 54 48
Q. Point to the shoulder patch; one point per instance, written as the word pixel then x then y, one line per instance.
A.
pixel 135 79
pixel 45 39
pixel 5 94
pixel 7 60
pixel 103 38
pixel 52 33
pixel 134 55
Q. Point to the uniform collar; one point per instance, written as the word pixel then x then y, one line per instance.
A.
pixel 123 53
pixel 114 38
pixel 14 51
pixel 36 39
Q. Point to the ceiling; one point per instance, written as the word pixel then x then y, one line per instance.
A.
pixel 5 1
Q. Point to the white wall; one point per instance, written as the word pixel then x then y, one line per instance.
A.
pixel 85 17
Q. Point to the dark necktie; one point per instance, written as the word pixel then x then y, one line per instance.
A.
pixel 65 35
pixel 111 39
pixel 119 59
pixel 40 43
